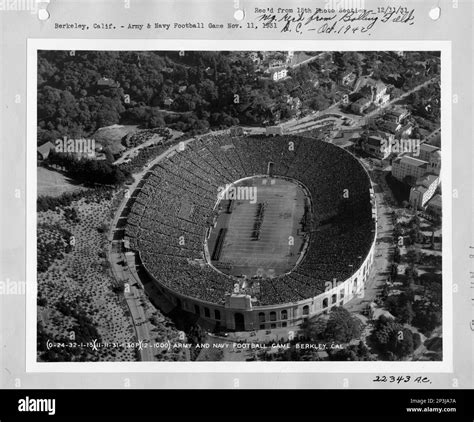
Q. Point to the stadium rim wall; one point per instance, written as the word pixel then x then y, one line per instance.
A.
pixel 296 312
pixel 273 316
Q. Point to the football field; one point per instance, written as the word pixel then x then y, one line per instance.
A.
pixel 277 248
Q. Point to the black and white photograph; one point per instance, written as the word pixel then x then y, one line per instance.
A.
pixel 236 195
pixel 239 206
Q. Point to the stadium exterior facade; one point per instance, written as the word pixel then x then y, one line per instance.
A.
pixel 239 314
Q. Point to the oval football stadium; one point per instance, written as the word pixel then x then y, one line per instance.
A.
pixel 255 232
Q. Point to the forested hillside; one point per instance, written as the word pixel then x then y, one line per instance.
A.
pixel 193 91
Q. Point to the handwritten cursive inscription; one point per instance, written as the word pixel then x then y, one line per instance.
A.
pixel 331 21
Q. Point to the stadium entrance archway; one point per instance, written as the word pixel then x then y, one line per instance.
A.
pixel 260 227
pixel 239 322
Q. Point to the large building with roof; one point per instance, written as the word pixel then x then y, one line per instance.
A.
pixel 423 191
pixel 408 166
pixel 427 151
pixel 377 146
pixel 44 150
pixel 427 161
pixel 435 205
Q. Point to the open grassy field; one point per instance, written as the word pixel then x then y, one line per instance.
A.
pixel 274 252
pixel 53 183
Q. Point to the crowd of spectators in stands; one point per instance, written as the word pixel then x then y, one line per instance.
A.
pixel 170 237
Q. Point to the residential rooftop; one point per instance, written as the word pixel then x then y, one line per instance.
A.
pixel 406 159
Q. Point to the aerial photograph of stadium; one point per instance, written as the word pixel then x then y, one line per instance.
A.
pixel 239 206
